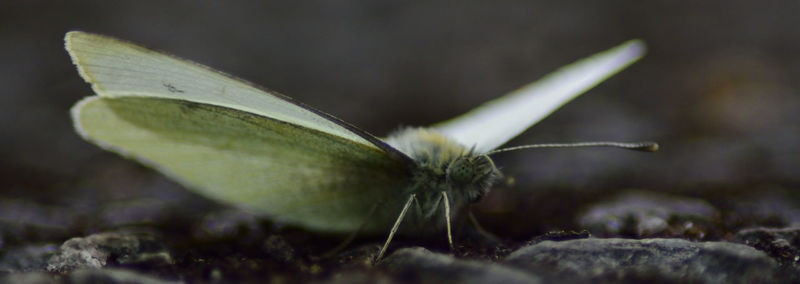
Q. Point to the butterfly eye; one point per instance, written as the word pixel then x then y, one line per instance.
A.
pixel 461 171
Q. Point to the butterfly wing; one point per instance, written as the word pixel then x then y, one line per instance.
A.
pixel 495 122
pixel 117 68
pixel 295 174
pixel 232 141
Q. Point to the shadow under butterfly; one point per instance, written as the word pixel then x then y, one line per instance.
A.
pixel 255 149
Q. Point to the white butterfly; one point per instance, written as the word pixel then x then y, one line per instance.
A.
pixel 255 149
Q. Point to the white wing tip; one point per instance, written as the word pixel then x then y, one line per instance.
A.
pixel 634 49
pixel 71 45
pixel 76 43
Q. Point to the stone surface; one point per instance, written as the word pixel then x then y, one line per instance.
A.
pixel 625 260
pixel 99 250
pixel 647 214
pixel 782 244
pixel 421 265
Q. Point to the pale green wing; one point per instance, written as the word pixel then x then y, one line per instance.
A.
pixel 495 122
pixel 117 68
pixel 292 173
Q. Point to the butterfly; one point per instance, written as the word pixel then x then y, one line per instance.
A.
pixel 255 149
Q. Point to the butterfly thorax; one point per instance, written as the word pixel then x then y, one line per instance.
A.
pixel 443 165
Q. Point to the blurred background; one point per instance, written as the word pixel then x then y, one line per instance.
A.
pixel 717 89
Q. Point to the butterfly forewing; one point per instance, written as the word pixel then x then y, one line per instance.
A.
pixel 495 122
pixel 295 174
pixel 117 68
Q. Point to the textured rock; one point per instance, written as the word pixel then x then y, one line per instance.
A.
pixel 96 251
pixel 421 265
pixel 646 260
pixel 781 244
pixel 644 214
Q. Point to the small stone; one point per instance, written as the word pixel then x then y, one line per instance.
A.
pixel 96 251
pixel 672 260
pixel 645 214
pixel 782 244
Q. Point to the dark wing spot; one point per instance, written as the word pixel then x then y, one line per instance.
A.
pixel 171 88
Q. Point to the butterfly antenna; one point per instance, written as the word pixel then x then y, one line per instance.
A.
pixel 636 146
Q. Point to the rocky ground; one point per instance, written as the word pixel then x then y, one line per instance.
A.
pixel 631 237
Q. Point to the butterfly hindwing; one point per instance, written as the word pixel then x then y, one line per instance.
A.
pixel 295 174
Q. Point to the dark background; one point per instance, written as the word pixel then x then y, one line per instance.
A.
pixel 718 88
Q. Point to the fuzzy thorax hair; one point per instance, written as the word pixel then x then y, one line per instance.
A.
pixel 444 165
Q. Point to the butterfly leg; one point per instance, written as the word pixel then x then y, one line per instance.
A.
pixel 447 219
pixel 395 227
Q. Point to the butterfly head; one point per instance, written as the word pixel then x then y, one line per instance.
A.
pixel 474 173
